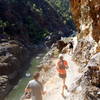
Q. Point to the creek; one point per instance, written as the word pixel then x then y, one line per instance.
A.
pixel 18 90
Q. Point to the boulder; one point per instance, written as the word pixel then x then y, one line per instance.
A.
pixel 61 44
pixel 4 86
pixel 13 56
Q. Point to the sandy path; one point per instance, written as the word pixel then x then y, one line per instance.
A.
pixel 53 85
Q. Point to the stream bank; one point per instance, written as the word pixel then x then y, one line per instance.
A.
pixel 18 90
pixel 15 57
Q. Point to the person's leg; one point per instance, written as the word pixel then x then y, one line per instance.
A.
pixel 71 51
pixel 63 85
pixel 68 51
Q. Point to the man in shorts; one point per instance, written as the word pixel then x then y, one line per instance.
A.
pixel 35 87
pixel 62 65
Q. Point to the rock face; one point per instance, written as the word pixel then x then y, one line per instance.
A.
pixel 86 15
pixel 13 57
pixel 4 86
pixel 85 50
pixel 90 81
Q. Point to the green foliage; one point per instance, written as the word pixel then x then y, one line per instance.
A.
pixel 36 33
pixel 3 25
pixel 62 7
pixel 28 18
pixel 38 10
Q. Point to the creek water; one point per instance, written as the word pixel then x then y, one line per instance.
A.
pixel 18 90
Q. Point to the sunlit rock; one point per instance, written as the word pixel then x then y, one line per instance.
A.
pixel 86 15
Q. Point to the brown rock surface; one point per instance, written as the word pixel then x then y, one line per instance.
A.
pixel 12 59
pixel 86 15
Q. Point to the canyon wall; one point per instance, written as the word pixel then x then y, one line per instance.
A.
pixel 86 16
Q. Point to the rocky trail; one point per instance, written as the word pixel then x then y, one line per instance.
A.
pixel 42 22
pixel 53 85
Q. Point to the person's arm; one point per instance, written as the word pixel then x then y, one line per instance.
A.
pixel 28 89
pixel 42 90
pixel 66 64
pixel 57 66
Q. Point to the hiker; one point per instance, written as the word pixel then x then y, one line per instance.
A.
pixel 35 87
pixel 71 46
pixel 62 65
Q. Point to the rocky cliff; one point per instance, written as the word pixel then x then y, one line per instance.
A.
pixel 24 23
pixel 86 15
pixel 86 55
pixel 84 66
pixel 13 58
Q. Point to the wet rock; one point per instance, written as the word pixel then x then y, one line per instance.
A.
pixel 12 59
pixel 4 88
